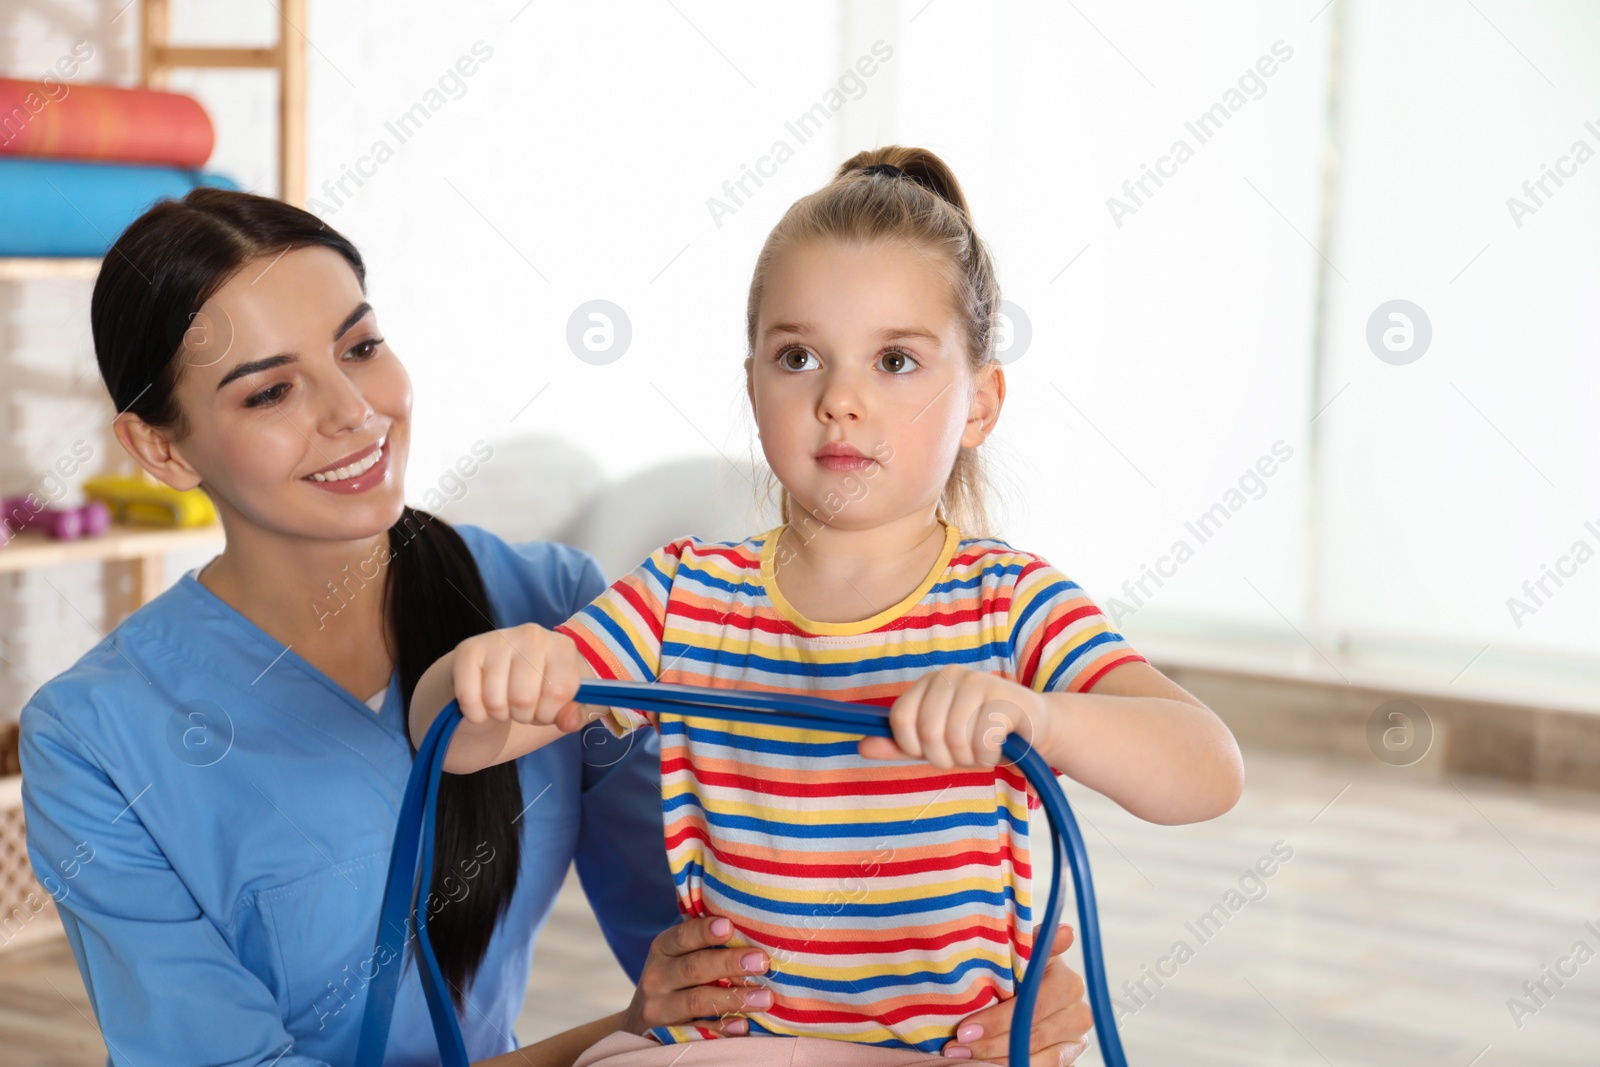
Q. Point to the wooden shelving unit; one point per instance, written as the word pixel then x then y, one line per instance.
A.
pixel 29 549
pixel 133 558
pixel 158 59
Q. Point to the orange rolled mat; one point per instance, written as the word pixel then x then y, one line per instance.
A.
pixel 103 123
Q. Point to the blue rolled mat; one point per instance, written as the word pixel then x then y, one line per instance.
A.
pixel 54 207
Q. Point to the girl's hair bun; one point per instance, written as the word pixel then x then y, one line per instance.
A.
pixel 917 164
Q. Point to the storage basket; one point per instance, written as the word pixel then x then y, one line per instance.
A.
pixel 27 912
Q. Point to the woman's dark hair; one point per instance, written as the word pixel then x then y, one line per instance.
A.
pixel 154 281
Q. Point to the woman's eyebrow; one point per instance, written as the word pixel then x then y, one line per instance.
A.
pixel 351 319
pixel 256 366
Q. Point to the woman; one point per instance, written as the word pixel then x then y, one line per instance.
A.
pixel 211 792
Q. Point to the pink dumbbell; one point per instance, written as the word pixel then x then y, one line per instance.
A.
pixel 15 513
pixel 60 524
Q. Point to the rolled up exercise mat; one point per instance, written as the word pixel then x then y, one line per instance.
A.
pixel 105 123
pixel 54 207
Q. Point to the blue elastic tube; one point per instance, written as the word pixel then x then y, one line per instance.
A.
pixel 732 705
pixel 398 911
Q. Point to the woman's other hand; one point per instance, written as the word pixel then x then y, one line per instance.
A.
pixel 1061 1019
pixel 682 980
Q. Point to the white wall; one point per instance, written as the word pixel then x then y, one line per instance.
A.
pixel 575 166
pixel 1172 355
pixel 1169 346
pixel 1171 349
pixel 1451 481
pixel 616 146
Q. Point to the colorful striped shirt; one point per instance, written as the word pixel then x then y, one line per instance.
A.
pixel 892 898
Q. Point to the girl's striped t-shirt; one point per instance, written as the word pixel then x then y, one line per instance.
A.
pixel 891 897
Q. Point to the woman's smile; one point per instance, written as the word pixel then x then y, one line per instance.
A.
pixel 355 473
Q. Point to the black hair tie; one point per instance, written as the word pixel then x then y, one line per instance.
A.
pixel 888 170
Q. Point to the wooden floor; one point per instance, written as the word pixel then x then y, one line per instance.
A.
pixel 1407 916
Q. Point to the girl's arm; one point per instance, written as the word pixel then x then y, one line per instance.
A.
pixel 1147 743
pixel 1139 738
pixel 515 688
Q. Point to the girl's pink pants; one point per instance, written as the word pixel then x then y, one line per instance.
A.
pixel 630 1050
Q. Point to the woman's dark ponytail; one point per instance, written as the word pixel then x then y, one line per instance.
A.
pixel 436 600
pixel 154 281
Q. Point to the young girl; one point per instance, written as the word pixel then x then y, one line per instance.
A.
pixel 886 881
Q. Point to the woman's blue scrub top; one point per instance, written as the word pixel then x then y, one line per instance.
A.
pixel 214 816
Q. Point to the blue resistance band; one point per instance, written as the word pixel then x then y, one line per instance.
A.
pixel 400 913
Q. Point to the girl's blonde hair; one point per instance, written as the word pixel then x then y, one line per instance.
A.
pixel 925 207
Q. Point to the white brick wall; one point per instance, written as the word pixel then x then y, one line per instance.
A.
pixel 50 400
pixel 50 393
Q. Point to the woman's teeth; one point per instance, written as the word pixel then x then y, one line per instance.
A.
pixel 360 466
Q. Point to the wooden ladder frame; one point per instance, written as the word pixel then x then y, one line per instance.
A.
pixel 159 57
